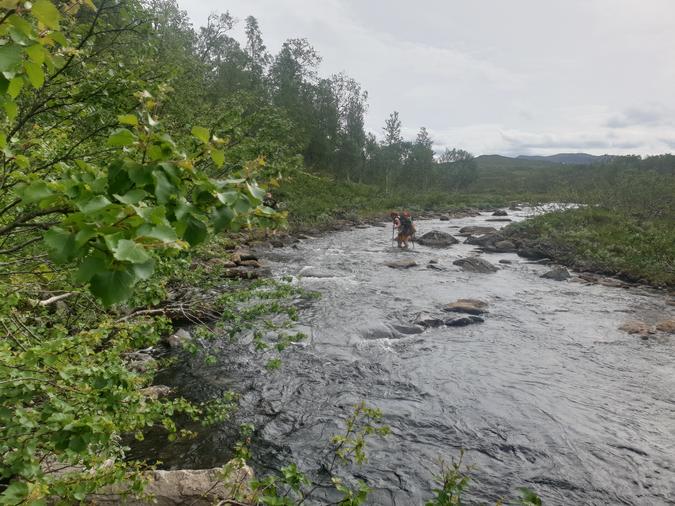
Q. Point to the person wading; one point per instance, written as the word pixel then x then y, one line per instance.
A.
pixel 403 224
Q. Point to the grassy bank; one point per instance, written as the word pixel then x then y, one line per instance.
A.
pixel 313 200
pixel 606 241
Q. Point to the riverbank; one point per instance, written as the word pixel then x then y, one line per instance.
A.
pixel 604 242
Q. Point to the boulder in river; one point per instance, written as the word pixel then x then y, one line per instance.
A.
pixel 463 321
pixel 477 230
pixel 667 326
pixel 505 261
pixel 428 320
pixel 499 219
pixel 401 264
pixel 475 264
pixel 468 306
pixel 500 212
pixel 437 239
pixel 558 273
pixel 636 327
pixel 505 246
pixel 198 487
pixel 179 339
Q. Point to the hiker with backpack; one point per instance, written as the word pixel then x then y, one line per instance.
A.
pixel 403 224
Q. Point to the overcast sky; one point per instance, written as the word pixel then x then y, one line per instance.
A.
pixel 495 76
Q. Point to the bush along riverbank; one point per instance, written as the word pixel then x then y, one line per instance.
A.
pixel 602 241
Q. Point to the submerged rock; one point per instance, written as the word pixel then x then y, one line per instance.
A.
pixel 401 264
pixel 428 320
pixel 500 212
pixel 636 327
pixel 437 239
pixel 444 218
pixel 505 246
pixel 197 487
pixel 475 264
pixel 667 326
pixel 504 261
pixel 468 306
pixel 558 273
pixel 476 230
pixel 463 321
pixel 179 339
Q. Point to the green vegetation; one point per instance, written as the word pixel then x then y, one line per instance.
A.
pixel 135 149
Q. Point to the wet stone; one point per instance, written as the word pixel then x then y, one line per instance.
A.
pixel 428 320
pixel 468 306
pixel 557 273
pixel 401 264
pixel 475 264
pixel 463 321
pixel 437 239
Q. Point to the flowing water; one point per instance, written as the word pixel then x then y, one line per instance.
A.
pixel 546 393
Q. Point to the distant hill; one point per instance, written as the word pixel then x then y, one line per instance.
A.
pixel 505 162
pixel 569 158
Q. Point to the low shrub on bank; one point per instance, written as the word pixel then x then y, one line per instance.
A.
pixel 607 241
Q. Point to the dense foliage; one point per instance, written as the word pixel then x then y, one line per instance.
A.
pixel 128 141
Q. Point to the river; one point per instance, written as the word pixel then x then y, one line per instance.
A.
pixel 546 393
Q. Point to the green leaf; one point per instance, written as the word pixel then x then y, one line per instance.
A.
pixel 10 60
pixel 128 119
pixel 163 188
pixel 163 233
pixel 35 192
pixel 22 25
pixel 15 86
pixel 16 493
pixel 35 74
pixel 222 218
pixel 144 270
pixel 46 13
pixel 93 204
pixel 195 231
pixel 129 251
pixel 112 287
pixel 121 137
pixel 61 243
pixel 11 109
pixel 218 157
pixel 36 53
pixel 89 267
pixel 201 133
pixel 132 197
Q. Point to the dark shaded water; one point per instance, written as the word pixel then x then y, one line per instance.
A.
pixel 547 393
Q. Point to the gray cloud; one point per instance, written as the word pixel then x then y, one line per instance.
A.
pixel 647 115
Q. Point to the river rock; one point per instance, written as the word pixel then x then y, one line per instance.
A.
pixel 505 261
pixel 156 391
pixel 476 230
pixel 428 320
pixel 246 272
pixel 140 362
pixel 515 208
pixel 435 267
pixel 667 326
pixel 500 212
pixel 437 239
pixel 505 246
pixel 250 263
pixel 401 264
pixel 558 273
pixel 444 218
pixel 475 264
pixel 636 327
pixel 196 487
pixel 463 321
pixel 179 339
pixel 468 306
pixel 499 219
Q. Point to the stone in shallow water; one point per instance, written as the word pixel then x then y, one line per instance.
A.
pixel 475 264
pixel 500 212
pixel 463 321
pixel 428 320
pixel 636 327
pixel 667 326
pixel 557 273
pixel 437 239
pixel 468 306
pixel 401 264
pixel 477 230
